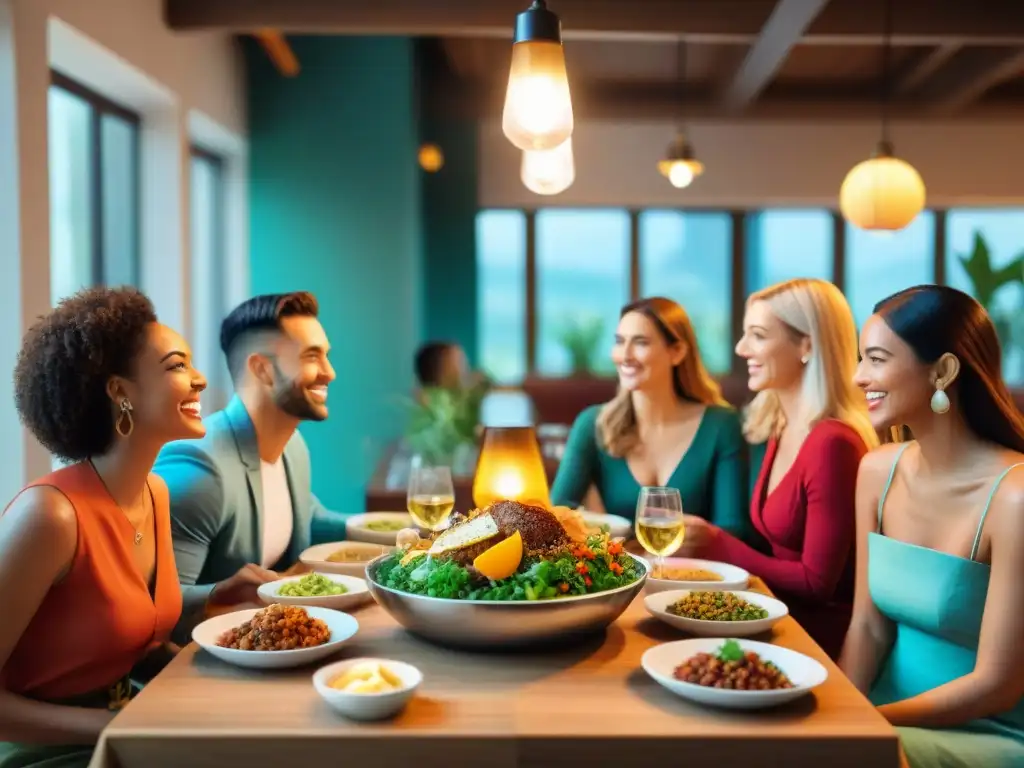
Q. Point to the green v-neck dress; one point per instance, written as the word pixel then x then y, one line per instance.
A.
pixel 936 601
pixel 712 476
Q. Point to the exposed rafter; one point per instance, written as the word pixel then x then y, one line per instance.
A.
pixel 976 71
pixel 280 53
pixel 843 22
pixel 923 67
pixel 784 28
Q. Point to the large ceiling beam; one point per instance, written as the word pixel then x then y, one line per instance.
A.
pixel 969 76
pixel 843 22
pixel 660 103
pixel 783 30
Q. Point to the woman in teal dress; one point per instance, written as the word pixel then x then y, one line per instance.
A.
pixel 667 426
pixel 937 627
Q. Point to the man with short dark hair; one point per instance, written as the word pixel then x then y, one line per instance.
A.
pixel 241 504
pixel 441 364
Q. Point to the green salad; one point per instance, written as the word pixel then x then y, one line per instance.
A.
pixel 597 566
pixel 312 585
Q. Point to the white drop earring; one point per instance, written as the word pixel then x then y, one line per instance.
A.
pixel 804 359
pixel 940 401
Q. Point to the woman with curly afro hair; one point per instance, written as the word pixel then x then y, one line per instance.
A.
pixel 87 575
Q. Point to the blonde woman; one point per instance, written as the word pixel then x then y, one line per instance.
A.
pixel 800 344
pixel 667 426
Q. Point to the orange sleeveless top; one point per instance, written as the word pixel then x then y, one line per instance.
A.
pixel 100 620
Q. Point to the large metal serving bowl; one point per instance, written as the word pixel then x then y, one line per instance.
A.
pixel 493 625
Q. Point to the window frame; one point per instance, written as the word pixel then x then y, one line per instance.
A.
pixel 100 106
pixel 738 294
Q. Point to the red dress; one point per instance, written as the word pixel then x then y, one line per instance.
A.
pixel 809 521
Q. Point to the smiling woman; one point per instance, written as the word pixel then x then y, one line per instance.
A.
pixel 87 572
pixel 667 426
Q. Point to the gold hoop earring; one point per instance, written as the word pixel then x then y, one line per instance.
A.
pixel 126 412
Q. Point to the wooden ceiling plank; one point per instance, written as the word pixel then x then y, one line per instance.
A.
pixel 923 67
pixel 723 21
pixel 974 73
pixel 780 33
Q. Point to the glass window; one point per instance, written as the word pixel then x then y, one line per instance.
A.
pixel 582 284
pixel 501 294
pixel 94 190
pixel 206 215
pixel 71 185
pixel 687 257
pixel 999 235
pixel 878 264
pixel 783 244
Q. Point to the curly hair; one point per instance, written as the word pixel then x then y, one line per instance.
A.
pixel 66 359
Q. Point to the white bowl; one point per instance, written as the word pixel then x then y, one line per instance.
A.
pixel 804 672
pixel 618 527
pixel 316 557
pixel 341 625
pixel 356 593
pixel 367 706
pixel 657 605
pixel 356 527
pixel 732 577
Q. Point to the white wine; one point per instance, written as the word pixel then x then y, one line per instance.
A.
pixel 660 535
pixel 429 511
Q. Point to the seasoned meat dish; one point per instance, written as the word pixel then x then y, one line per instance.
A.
pixel 539 528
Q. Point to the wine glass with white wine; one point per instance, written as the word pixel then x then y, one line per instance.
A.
pixel 431 497
pixel 659 522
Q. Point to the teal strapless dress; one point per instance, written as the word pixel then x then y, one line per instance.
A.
pixel 936 601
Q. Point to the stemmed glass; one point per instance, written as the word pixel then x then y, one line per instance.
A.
pixel 659 522
pixel 431 496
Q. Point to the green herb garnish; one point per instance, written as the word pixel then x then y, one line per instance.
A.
pixel 730 651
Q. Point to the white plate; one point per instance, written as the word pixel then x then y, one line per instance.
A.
pixel 657 605
pixel 341 625
pixel 618 527
pixel 804 672
pixel 356 593
pixel 316 557
pixel 732 577
pixel 356 530
pixel 367 706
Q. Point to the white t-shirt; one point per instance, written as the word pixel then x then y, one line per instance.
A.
pixel 278 519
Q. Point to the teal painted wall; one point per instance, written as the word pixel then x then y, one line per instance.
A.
pixel 335 208
pixel 449 235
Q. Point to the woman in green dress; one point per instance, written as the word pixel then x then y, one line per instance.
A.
pixel 938 618
pixel 667 426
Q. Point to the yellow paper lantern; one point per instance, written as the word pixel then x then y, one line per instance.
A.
pixel 431 158
pixel 883 193
pixel 510 468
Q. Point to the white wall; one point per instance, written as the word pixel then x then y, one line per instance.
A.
pixel 184 87
pixel 762 164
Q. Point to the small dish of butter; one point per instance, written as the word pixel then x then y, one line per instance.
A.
pixel 366 688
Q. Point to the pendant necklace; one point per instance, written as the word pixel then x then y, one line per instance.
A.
pixel 138 533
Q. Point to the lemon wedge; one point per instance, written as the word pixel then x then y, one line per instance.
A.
pixel 501 561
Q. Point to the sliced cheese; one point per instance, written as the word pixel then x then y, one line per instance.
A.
pixel 480 528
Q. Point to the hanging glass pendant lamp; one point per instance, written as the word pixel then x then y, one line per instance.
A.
pixel 680 165
pixel 538 106
pixel 549 171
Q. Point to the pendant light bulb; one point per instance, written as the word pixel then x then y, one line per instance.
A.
pixel 549 171
pixel 538 106
pixel 680 165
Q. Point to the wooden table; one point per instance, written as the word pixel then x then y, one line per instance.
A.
pixel 587 705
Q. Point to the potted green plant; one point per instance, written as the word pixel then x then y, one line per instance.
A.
pixel 443 426
pixel 986 281
pixel 581 339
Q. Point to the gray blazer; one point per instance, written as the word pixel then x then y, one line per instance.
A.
pixel 217 505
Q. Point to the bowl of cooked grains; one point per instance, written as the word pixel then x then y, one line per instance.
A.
pixel 733 674
pixel 275 637
pixel 710 613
